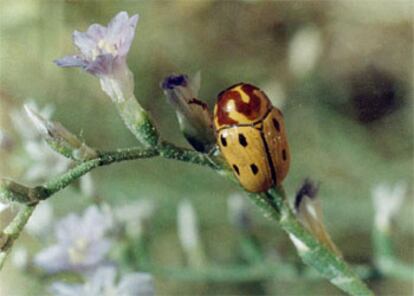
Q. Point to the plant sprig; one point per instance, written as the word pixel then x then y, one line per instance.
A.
pixel 273 203
pixel 117 81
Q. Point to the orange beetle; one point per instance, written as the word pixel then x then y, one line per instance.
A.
pixel 252 138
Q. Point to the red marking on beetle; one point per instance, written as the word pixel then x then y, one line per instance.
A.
pixel 250 109
pixel 198 102
pixel 224 99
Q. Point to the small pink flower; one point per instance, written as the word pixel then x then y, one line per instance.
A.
pixel 103 49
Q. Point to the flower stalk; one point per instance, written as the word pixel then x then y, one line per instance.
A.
pixel 138 122
pixel 10 234
pixel 387 202
pixel 273 204
pixel 312 252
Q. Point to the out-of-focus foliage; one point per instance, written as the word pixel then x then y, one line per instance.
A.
pixel 341 71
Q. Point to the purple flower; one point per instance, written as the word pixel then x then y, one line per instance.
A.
pixel 81 243
pixel 103 283
pixel 103 49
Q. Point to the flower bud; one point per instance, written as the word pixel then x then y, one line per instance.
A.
pixel 59 138
pixel 309 212
pixel 11 191
pixel 193 115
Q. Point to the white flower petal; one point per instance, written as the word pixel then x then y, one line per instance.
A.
pixel 305 48
pixel 136 284
pixel 238 212
pixel 187 226
pixel 62 289
pixel 3 206
pixel 387 202
pixel 52 259
pixel 85 43
pixel 96 32
pixel 41 220
pixel 20 257
pixel 104 278
pixel 67 229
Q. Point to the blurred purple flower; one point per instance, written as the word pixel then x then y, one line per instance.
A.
pixel 102 283
pixel 81 243
pixel 103 49
pixel 6 142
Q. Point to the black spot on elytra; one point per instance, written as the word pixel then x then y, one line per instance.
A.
pixel 254 169
pixel 276 124
pixel 284 156
pixel 236 169
pixel 223 140
pixel 242 140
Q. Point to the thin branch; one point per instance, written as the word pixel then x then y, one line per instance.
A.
pixel 273 203
pixel 31 196
pixel 170 151
pixel 13 230
pixel 311 251
pixel 385 260
pixel 105 158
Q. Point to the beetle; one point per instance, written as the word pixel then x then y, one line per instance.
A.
pixel 251 135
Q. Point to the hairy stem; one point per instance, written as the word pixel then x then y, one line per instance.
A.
pixel 273 204
pixel 31 196
pixel 13 230
pixel 311 251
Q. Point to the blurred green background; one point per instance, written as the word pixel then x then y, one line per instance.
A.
pixel 346 96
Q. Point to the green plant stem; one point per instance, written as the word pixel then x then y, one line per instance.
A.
pixel 384 257
pixel 13 230
pixel 170 151
pixel 273 204
pixel 42 192
pixel 246 273
pixel 311 250
pixel 105 158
